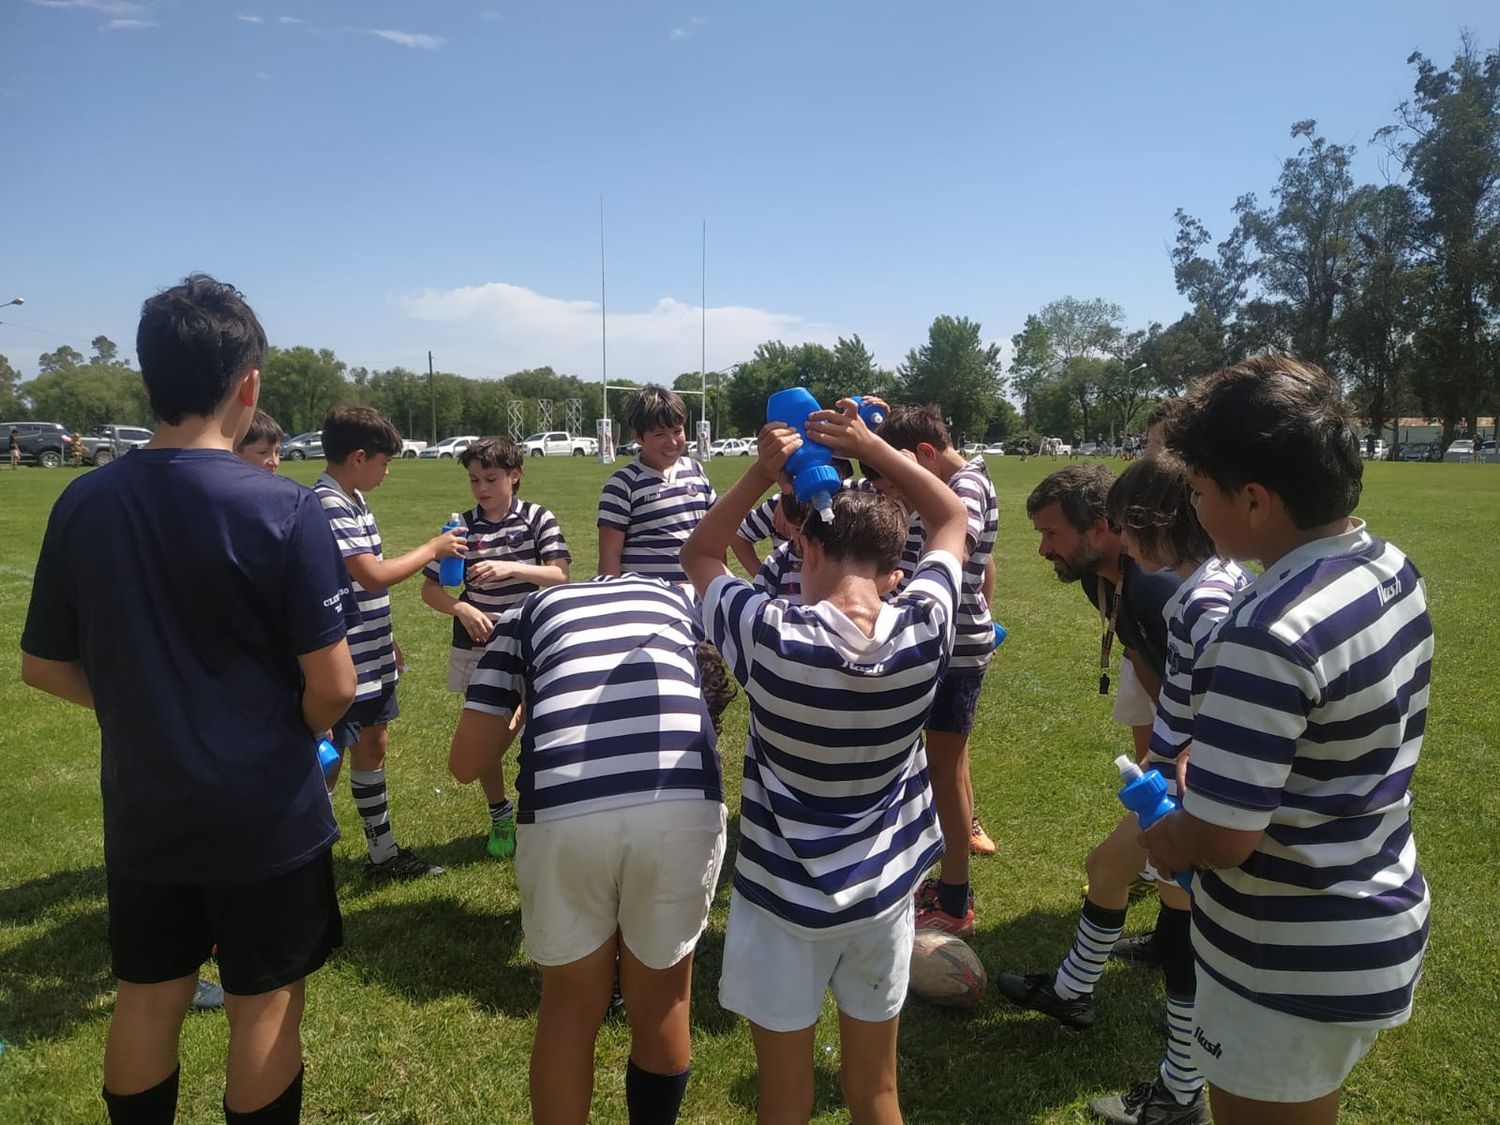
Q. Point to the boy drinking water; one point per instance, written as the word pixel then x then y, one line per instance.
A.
pixel 359 443
pixel 515 548
pixel 1310 913
pixel 837 825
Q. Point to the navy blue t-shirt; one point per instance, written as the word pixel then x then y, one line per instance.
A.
pixel 187 583
pixel 1141 625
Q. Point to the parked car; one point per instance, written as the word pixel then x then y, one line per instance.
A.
pixel 303 446
pixel 108 442
pixel 629 449
pixel 449 446
pixel 1415 451
pixel 1461 450
pixel 972 448
pixel 995 449
pixel 559 443
pixel 1372 451
pixel 48 444
pixel 1488 453
pixel 731 447
pixel 412 448
pixel 1089 449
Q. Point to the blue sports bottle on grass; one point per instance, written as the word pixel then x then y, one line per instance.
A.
pixel 814 479
pixel 451 571
pixel 1145 794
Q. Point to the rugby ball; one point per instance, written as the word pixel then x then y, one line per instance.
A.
pixel 944 970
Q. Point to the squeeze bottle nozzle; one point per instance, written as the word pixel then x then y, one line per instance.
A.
pixel 814 479
pixel 872 413
pixel 1145 794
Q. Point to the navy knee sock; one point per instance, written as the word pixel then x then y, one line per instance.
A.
pixel 156 1106
pixel 1174 938
pixel 653 1099
pixel 953 898
pixel 286 1109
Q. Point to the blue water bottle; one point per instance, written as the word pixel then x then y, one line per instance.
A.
pixel 1000 634
pixel 328 756
pixel 814 479
pixel 451 571
pixel 872 412
pixel 1145 794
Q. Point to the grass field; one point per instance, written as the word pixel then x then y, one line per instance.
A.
pixel 426 1014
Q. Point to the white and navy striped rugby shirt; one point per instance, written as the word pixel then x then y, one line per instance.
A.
pixel 760 522
pixel 371 642
pixel 836 816
pixel 657 512
pixel 614 711
pixel 1309 702
pixel 528 533
pixel 974 630
pixel 780 574
pixel 1199 604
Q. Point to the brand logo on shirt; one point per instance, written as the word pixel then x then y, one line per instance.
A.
pixel 1390 590
pixel 1211 1048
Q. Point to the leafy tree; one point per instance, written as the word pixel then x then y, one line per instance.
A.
pixel 1033 362
pixel 85 396
pixel 63 358
pixel 1448 141
pixel 956 370
pixel 106 353
pixel 1193 345
pixel 1218 285
pixel 298 385
pixel 1124 392
pixel 10 398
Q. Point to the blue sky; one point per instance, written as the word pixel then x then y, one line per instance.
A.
pixel 383 178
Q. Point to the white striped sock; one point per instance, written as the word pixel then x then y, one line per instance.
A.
pixel 1080 970
pixel 368 787
pixel 1178 1074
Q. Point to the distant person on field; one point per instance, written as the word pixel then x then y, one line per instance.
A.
pixel 359 443
pixel 1310 912
pixel 211 652
pixel 650 505
pixel 515 548
pixel 261 445
pixel 15 448
pixel 836 826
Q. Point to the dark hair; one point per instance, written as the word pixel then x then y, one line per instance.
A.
pixel 194 342
pixel 654 408
pixel 1164 411
pixel 492 453
pixel 794 511
pixel 262 428
pixel 907 427
pixel 1081 491
pixel 1278 422
pixel 866 528
pixel 349 426
pixel 1152 501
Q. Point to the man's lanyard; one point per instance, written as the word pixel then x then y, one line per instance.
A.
pixel 1107 641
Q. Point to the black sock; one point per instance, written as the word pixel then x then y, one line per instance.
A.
pixel 653 1099
pixel 156 1106
pixel 286 1109
pixel 1174 940
pixel 953 898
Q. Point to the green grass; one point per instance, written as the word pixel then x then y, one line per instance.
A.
pixel 426 1014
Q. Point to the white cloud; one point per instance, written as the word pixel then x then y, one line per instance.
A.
pixel 250 19
pixel 128 25
pixel 290 19
pixel 408 38
pixel 514 328
pixel 678 34
pixel 263 76
pixel 104 7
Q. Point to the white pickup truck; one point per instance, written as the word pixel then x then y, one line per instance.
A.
pixel 557 443
pixel 411 448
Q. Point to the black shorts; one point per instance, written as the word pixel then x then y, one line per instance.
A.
pixel 373 712
pixel 269 934
pixel 956 701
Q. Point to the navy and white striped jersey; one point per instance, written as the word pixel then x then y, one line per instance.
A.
pixel 614 711
pixel 1199 604
pixel 836 817
pixel 974 630
pixel 1309 704
pixel 371 642
pixel 780 574
pixel 657 512
pixel 760 522
pixel 528 533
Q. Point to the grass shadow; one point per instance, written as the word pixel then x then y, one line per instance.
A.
pixel 26 902
pixel 58 977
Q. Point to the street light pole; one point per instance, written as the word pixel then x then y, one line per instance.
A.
pixel 432 393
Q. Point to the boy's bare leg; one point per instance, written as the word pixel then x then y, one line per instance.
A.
pixel 868 1074
pixel 141 1050
pixel 1231 1109
pixel 369 752
pixel 265 1045
pixel 574 999
pixel 658 1002
pixel 948 768
pixel 784 1075
pixel 492 781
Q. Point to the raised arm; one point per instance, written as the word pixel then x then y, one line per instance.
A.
pixel 702 556
pixel 380 574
